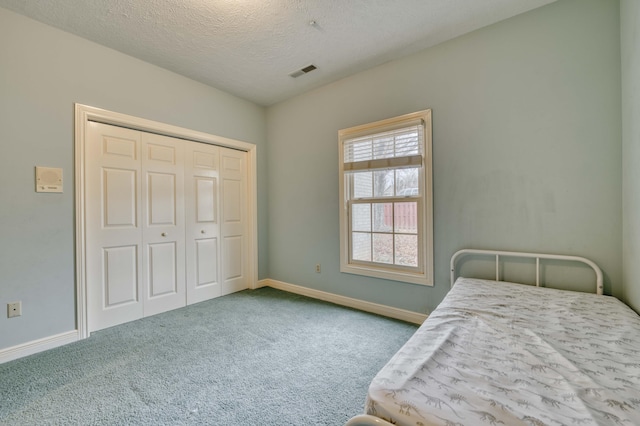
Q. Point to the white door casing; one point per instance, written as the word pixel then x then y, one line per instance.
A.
pixel 151 213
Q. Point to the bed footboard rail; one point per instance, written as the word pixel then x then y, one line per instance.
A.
pixel 537 256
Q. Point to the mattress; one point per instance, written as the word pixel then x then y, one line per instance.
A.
pixel 497 353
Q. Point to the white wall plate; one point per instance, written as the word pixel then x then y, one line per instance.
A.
pixel 48 179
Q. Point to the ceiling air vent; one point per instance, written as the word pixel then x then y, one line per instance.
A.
pixel 302 71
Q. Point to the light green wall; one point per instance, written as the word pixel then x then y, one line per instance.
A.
pixel 630 49
pixel 43 71
pixel 526 143
pixel 526 146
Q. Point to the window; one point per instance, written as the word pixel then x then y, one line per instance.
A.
pixel 386 227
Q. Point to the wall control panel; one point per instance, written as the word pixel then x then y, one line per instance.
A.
pixel 48 179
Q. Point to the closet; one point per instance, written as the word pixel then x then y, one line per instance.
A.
pixel 165 223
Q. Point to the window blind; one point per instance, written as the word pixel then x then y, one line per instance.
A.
pixel 397 148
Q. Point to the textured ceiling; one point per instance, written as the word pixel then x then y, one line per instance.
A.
pixel 249 47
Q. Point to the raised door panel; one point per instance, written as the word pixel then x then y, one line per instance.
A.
pixel 113 231
pixel 119 198
pixel 233 198
pixel 234 220
pixel 162 194
pixel 120 280
pixel 206 262
pixel 233 257
pixel 163 225
pixel 162 269
pixel 205 199
pixel 202 224
pixel 119 146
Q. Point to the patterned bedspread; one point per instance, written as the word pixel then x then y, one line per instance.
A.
pixel 496 353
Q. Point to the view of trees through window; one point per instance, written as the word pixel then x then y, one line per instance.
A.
pixel 385 232
pixel 386 183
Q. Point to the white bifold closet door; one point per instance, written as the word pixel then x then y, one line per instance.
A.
pixel 203 225
pixel 234 220
pixel 113 230
pixel 165 223
pixel 163 237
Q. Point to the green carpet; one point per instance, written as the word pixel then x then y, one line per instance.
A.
pixel 257 357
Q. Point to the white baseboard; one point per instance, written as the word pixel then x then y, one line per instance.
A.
pixel 36 346
pixel 387 311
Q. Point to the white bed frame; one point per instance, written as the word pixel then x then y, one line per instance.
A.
pixel 524 255
pixel 369 420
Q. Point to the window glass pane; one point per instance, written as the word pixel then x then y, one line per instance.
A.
pixel 406 250
pixel 363 185
pixel 361 217
pixel 383 217
pixel 383 248
pixel 383 182
pixel 406 217
pixel 407 182
pixel 361 246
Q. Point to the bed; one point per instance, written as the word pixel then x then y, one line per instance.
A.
pixel 501 353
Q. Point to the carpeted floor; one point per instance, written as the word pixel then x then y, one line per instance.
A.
pixel 257 357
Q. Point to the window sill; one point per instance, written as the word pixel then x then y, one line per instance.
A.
pixel 407 277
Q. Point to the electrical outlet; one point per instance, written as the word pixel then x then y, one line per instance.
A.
pixel 14 309
pixel 317 268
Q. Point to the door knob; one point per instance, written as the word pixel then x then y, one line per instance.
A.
pixel 164 234
pixel 203 232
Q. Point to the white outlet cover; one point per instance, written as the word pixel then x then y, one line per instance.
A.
pixel 14 309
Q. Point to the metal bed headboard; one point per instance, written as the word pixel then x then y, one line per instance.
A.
pixel 537 256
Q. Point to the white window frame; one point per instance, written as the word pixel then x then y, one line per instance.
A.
pixel 423 274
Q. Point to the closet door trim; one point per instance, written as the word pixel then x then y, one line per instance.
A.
pixel 85 114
